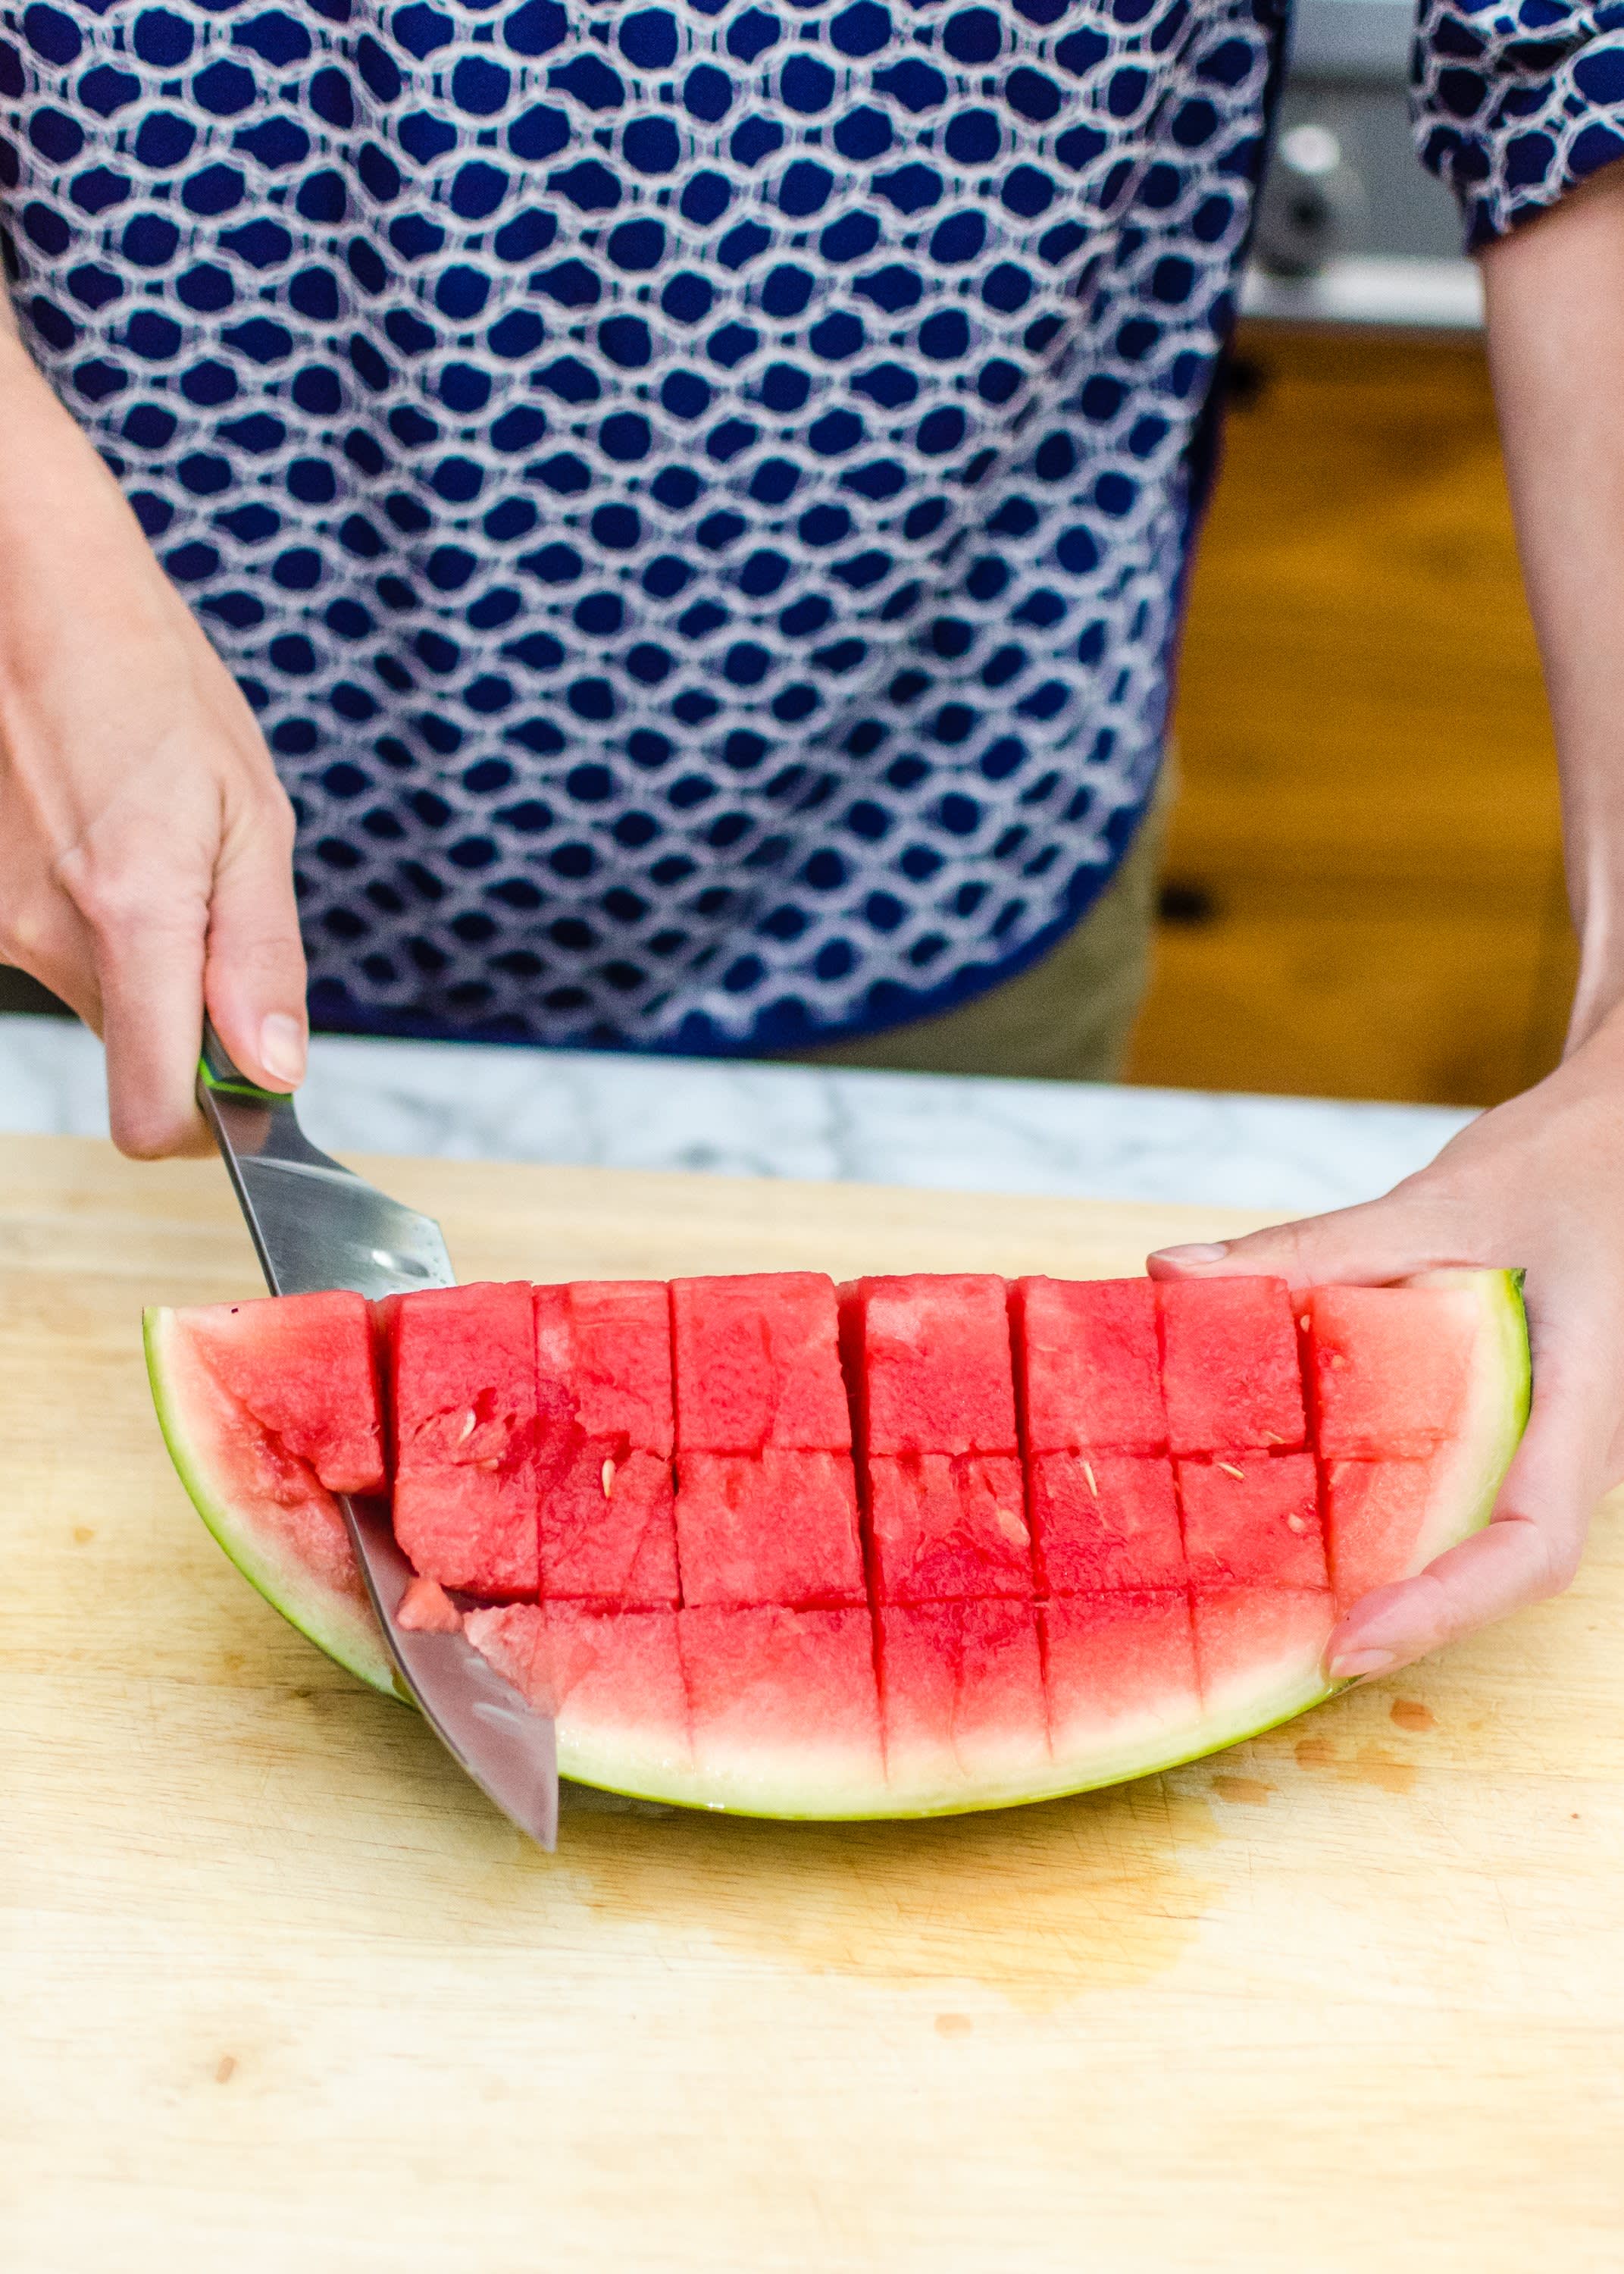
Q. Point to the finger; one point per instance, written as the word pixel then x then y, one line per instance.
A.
pixel 1377 1241
pixel 146 911
pixel 254 976
pixel 1528 1551
pixel 53 945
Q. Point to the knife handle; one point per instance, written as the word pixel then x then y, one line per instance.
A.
pixel 221 1077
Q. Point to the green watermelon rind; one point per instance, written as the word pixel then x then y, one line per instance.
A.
pixel 340 1625
pixel 633 1765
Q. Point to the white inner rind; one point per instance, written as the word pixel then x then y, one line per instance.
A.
pixel 804 1784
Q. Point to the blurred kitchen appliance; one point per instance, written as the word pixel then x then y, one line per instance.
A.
pixel 1351 228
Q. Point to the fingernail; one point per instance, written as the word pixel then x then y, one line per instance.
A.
pixel 282 1048
pixel 1348 1665
pixel 1201 1251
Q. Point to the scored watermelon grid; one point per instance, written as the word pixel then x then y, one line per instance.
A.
pixel 1042 1622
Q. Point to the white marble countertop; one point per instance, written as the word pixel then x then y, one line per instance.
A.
pixel 475 1102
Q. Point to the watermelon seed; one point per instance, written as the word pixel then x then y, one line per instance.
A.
pixel 607 1473
pixel 1229 1470
pixel 1089 1472
pixel 1305 1322
pixel 1295 1524
pixel 470 1423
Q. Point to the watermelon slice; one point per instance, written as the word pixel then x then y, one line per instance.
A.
pixel 263 1500
pixel 987 1618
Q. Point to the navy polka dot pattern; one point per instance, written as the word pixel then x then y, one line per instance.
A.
pixel 698 493
pixel 1517 103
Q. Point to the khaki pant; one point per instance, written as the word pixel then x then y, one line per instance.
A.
pixel 1069 1017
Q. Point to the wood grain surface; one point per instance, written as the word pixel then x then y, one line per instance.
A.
pixel 1367 838
pixel 281 1993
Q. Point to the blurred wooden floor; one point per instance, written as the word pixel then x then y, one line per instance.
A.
pixel 1363 892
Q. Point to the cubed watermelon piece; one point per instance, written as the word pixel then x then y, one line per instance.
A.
pixel 1090 1368
pixel 931 1355
pixel 1254 1519
pixel 1260 1651
pixel 948 1526
pixel 612 1680
pixel 603 1435
pixel 605 1525
pixel 1120 1668
pixel 1376 1514
pixel 961 1694
pixel 603 1358
pixel 1230 1365
pixel 774 1527
pixel 303 1367
pixel 1391 1368
pixel 464 1404
pixel 785 1712
pixel 1103 1522
pixel 758 1364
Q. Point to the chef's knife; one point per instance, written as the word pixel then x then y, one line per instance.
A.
pixel 315 1225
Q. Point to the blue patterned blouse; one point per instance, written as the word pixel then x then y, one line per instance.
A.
pixel 698 493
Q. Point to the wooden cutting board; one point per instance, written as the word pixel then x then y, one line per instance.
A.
pixel 284 1993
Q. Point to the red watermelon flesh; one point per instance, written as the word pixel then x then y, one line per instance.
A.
pixel 764 1678
pixel 961 1691
pixel 1255 1518
pixel 1089 1365
pixel 1120 1668
pixel 945 1526
pixel 774 1527
pixel 1230 1365
pixel 603 1358
pixel 1390 1369
pixel 304 1369
pixel 1376 1512
pixel 604 1434
pixel 1163 1632
pixel 758 1364
pixel 930 1360
pixel 1102 1522
pixel 464 1400
pixel 604 1524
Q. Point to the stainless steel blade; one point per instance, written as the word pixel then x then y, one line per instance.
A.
pixel 313 1222
pixel 316 1224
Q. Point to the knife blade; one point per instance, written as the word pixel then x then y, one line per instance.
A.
pixel 316 1224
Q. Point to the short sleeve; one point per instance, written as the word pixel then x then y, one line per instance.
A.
pixel 1516 102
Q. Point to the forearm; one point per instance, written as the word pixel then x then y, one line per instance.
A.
pixel 1555 294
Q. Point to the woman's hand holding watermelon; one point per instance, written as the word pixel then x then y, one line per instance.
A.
pixel 145 841
pixel 1536 1183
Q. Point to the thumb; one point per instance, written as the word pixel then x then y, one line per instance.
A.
pixel 254 975
pixel 1369 1245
